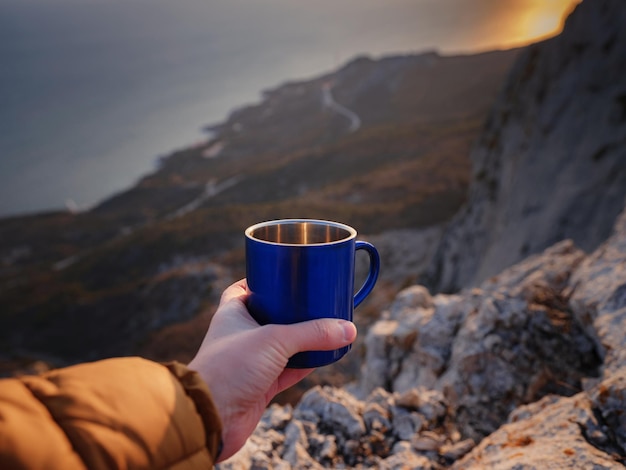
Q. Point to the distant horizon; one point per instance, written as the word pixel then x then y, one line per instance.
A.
pixel 95 94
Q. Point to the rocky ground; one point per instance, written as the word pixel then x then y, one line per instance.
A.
pixel 525 371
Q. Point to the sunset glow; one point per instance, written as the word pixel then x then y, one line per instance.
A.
pixel 515 23
pixel 545 18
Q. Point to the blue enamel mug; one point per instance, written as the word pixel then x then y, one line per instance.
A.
pixel 303 269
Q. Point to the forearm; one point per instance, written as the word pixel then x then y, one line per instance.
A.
pixel 124 412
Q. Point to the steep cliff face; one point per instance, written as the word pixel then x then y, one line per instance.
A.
pixel 551 162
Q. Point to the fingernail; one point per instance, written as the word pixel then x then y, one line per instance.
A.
pixel 349 330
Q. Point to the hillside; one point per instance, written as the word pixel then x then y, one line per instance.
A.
pixel 379 144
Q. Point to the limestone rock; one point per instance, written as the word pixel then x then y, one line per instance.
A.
pixel 333 428
pixel 598 290
pixel 549 434
pixel 490 349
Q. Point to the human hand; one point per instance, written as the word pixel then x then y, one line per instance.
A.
pixel 244 363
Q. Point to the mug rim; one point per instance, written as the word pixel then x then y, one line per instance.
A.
pixel 352 233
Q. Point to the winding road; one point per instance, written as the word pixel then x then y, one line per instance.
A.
pixel 329 101
pixel 210 189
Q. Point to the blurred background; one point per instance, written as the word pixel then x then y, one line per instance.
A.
pixel 139 138
pixel 92 92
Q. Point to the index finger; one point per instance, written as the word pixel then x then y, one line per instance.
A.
pixel 237 290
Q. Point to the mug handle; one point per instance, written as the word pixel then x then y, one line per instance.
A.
pixel 368 285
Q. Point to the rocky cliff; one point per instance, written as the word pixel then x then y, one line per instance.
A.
pixel 551 162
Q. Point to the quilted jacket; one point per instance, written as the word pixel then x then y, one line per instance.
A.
pixel 122 413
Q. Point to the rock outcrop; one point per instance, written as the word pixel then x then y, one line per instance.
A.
pixel 511 341
pixel 525 371
pixel 551 162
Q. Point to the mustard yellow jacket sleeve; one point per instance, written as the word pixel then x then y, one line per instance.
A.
pixel 126 413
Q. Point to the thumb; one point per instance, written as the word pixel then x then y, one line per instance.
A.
pixel 324 334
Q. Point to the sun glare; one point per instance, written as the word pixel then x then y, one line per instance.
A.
pixel 515 23
pixel 545 18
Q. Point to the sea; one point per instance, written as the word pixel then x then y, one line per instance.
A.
pixel 94 92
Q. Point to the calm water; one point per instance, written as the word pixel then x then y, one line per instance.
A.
pixel 93 91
